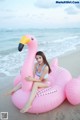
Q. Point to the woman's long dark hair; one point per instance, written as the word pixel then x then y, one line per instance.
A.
pixel 44 59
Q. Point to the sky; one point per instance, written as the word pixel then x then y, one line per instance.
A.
pixel 38 14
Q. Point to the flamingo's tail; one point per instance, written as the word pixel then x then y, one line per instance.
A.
pixel 54 62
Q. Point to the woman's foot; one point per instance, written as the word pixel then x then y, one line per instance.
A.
pixel 9 93
pixel 25 109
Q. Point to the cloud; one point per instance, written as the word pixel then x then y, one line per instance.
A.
pixel 69 8
pixel 72 10
pixel 38 14
pixel 43 3
pixel 46 3
pixel 78 6
pixel 52 4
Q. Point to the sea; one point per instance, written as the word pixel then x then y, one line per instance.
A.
pixel 53 42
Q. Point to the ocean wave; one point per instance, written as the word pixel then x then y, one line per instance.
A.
pixel 10 64
pixel 58 41
pixel 52 43
pixel 8 51
pixel 66 38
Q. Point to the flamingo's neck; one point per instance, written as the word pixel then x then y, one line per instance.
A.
pixel 27 69
pixel 29 61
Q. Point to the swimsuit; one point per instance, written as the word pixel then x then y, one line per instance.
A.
pixel 38 75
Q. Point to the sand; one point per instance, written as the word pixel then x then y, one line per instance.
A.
pixel 65 111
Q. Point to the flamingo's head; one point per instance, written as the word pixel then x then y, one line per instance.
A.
pixel 26 40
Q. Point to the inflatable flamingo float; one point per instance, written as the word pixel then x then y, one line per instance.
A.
pixel 47 98
pixel 72 91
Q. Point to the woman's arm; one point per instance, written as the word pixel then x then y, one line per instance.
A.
pixel 34 69
pixel 34 72
pixel 45 71
pixel 33 79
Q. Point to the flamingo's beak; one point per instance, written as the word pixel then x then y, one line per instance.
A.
pixel 24 40
pixel 20 47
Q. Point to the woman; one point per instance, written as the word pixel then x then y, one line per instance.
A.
pixel 40 78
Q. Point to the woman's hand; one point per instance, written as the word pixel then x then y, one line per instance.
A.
pixel 29 78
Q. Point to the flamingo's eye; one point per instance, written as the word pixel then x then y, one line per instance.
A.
pixel 32 38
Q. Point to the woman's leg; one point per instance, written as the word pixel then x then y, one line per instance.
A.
pixel 32 96
pixel 17 87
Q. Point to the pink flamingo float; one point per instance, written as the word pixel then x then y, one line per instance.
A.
pixel 47 98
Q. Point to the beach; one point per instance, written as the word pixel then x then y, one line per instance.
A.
pixel 65 111
pixel 49 26
pixel 71 62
